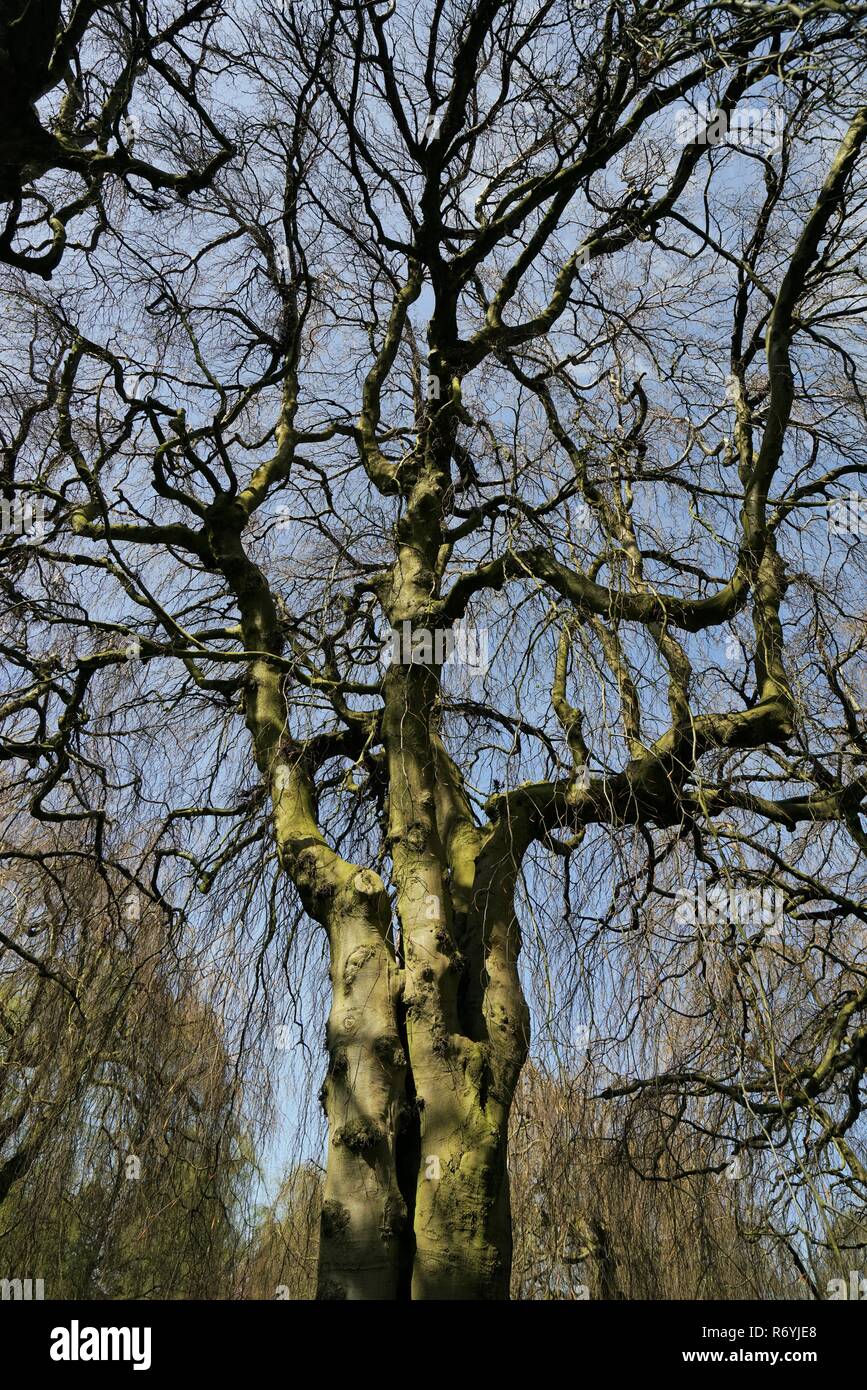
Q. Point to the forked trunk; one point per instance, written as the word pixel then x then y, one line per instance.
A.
pixel 429 1121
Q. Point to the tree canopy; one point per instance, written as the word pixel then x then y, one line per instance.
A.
pixel 433 554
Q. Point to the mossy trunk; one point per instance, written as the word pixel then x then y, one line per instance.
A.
pixel 364 1229
pixel 426 1036
pixel 465 1046
pixel 364 1219
pixel 416 1195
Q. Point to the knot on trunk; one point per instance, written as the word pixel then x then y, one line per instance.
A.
pixel 355 961
pixel 414 837
pixel 359 1135
pixel 334 1219
pixel 367 883
pixel 311 877
pixel 389 1052
pixel 447 947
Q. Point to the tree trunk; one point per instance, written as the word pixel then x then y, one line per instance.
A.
pixel 364 1229
pixel 364 1219
pixel 423 1061
pixel 465 1045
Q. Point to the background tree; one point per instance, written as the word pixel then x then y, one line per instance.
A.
pixel 282 1257
pixel 499 321
pixel 123 1171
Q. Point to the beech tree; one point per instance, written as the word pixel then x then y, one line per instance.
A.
pixel 449 536
pixel 69 76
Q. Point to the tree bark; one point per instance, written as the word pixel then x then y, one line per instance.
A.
pixel 364 1216
pixel 364 1226
pixel 466 1045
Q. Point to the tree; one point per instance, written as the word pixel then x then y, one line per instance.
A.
pixel 439 500
pixel 640 1214
pixel 68 76
pixel 122 1165
pixel 282 1258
